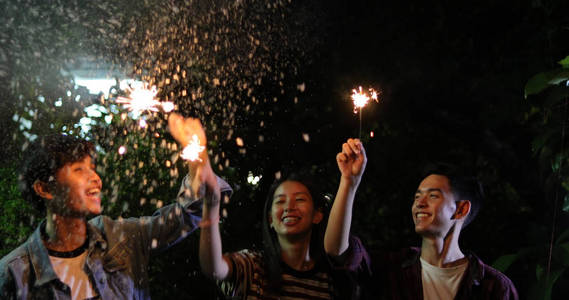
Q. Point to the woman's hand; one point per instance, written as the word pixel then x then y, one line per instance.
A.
pixel 352 161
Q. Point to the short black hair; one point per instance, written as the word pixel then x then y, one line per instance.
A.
pixel 271 246
pixel 44 157
pixel 463 186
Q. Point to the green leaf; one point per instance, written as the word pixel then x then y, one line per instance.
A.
pixel 541 81
pixel 544 287
pixel 555 95
pixel 536 84
pixel 505 261
pixel 564 62
pixel 539 272
pixel 564 235
pixel 541 140
pixel 566 203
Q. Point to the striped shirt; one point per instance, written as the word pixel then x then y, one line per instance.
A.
pixel 249 280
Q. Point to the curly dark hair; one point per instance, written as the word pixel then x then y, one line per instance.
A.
pixel 271 246
pixel 44 157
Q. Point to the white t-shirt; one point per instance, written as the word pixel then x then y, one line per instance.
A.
pixel 441 283
pixel 70 271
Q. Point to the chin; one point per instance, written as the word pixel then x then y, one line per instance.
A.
pixel 421 230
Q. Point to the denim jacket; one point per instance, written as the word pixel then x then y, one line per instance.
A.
pixel 117 255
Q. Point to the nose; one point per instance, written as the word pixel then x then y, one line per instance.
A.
pixel 421 201
pixel 290 205
pixel 95 177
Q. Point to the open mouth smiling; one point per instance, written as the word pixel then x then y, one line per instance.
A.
pixel 287 220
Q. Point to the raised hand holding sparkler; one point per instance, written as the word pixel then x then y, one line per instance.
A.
pixel 189 133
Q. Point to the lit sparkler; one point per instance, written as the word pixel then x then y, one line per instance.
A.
pixel 143 99
pixel 192 151
pixel 361 99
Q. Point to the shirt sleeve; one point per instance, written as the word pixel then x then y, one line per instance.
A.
pixel 355 259
pixel 172 223
pixel 246 273
pixel 187 199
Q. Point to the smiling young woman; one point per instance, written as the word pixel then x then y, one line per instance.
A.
pixel 307 252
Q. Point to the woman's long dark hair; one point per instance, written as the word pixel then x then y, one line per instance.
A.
pixel 271 246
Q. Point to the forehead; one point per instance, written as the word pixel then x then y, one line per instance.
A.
pixel 291 188
pixel 434 181
pixel 87 159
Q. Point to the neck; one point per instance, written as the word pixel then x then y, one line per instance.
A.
pixel 442 252
pixel 65 233
pixel 296 253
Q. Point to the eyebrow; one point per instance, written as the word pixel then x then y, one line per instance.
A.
pixel 429 190
pixel 295 194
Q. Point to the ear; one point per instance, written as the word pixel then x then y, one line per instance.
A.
pixel 318 216
pixel 462 209
pixel 42 189
pixel 270 221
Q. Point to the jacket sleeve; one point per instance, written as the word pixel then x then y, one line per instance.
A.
pixel 172 223
pixel 8 288
pixel 355 259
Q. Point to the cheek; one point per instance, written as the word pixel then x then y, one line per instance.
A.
pixel 274 213
pixel 447 211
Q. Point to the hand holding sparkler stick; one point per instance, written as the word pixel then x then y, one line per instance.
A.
pixel 190 134
pixel 352 161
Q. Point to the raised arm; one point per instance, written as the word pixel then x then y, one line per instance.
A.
pixel 351 162
pixel 203 184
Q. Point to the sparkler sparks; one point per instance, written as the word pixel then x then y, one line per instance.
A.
pixel 361 99
pixel 192 151
pixel 143 99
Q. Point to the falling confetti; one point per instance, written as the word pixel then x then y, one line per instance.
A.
pixel 122 150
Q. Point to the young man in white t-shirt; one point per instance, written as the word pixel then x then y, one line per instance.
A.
pixel 74 256
pixel 444 203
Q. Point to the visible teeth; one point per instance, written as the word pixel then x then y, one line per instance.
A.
pixel 290 218
pixel 421 215
pixel 93 191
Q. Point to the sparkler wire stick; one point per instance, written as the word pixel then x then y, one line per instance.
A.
pixel 360 135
